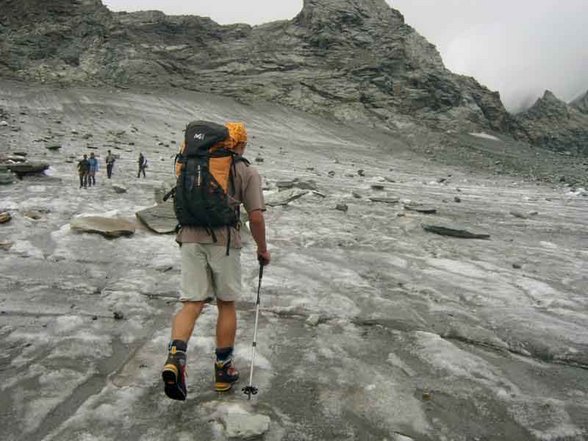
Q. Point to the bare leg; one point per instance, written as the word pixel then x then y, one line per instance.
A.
pixel 184 321
pixel 226 324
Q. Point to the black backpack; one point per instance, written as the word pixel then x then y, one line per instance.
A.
pixel 205 169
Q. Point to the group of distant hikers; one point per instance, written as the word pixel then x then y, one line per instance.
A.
pixel 88 166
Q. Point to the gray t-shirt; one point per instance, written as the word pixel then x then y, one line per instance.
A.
pixel 247 191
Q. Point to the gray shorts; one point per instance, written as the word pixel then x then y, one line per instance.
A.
pixel 207 272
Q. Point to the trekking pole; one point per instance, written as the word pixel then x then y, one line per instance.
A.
pixel 252 390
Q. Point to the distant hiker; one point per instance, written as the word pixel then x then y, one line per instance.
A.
pixel 93 162
pixel 109 164
pixel 142 165
pixel 83 170
pixel 210 242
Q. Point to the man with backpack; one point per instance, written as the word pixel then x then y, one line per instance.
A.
pixel 142 165
pixel 83 170
pixel 213 181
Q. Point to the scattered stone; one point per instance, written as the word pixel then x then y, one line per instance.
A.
pixel 305 185
pixel 420 208
pixel 517 265
pixel 441 180
pixel 259 159
pixel 342 207
pixel 6 177
pixel 6 245
pixel 160 218
pixel 94 317
pixel 284 198
pixel 245 425
pixel 106 226
pixel 119 188
pixel 385 200
pixel 285 185
pixel 53 147
pixel 533 213
pixel 389 179
pixel 5 217
pixel 33 214
pixel 356 195
pixel 361 172
pixel 3 123
pixel 313 319
pixel 118 315
pixel 454 232
pixel 319 194
pixel 377 187
pixel 87 136
pixel 457 199
pixel 27 168
pixel 427 396
pixel 331 173
pixel 518 214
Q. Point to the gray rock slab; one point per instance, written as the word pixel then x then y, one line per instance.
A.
pixel 160 218
pixel 25 168
pixel 284 197
pixel 385 200
pixel 454 232
pixel 106 226
pixel 420 208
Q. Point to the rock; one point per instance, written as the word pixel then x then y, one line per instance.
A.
pixel 3 123
pixel 331 173
pixel 385 200
pixel 420 208
pixel 517 265
pixel 360 172
pixel 518 214
pixel 160 218
pixel 5 217
pixel 117 315
pixel 457 199
pixel 259 159
pixel 356 195
pixel 284 198
pixel 119 189
pixel 106 226
pixel 244 425
pixel 285 185
pixel 5 245
pixel 313 319
pixel 377 187
pixel 342 207
pixel 53 147
pixel 454 232
pixel 27 168
pixel 6 177
pixel 33 214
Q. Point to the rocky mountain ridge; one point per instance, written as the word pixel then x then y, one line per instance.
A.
pixel 352 59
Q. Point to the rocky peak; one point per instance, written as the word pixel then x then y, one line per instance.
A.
pixel 316 13
pixel 548 106
pixel 581 103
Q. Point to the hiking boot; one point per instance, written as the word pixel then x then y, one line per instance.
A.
pixel 174 375
pixel 225 375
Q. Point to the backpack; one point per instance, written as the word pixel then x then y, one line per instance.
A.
pixel 205 168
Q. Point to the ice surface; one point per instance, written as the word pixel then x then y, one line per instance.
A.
pixel 370 327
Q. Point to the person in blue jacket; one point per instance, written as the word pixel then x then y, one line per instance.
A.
pixel 93 169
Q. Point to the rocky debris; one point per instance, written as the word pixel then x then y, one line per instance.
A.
pixel 424 209
pixel 53 147
pixel 34 214
pixel 313 320
pixel 27 168
pixel 16 157
pixel 454 232
pixel 377 187
pixel 342 207
pixel 297 183
pixel 6 176
pixel 106 226
pixel 285 197
pixel 119 189
pixel 243 425
pixel 517 265
pixel 3 123
pixel 5 245
pixel 117 315
pixel 5 217
pixel 457 199
pixel 385 200
pixel 356 195
pixel 160 218
pixel 553 124
pixel 361 173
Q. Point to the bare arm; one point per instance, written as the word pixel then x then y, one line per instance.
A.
pixel 257 226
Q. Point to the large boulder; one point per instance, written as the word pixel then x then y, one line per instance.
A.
pixel 106 226
pixel 160 218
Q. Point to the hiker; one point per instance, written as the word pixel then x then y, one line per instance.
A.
pixel 109 164
pixel 83 169
pixel 210 265
pixel 93 168
pixel 142 165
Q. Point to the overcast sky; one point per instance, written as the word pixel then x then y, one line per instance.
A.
pixel 518 47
